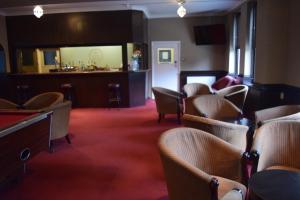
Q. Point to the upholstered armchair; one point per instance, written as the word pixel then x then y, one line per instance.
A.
pixel 43 100
pixel 236 94
pixel 167 102
pixel 198 165
pixel 211 106
pixel 193 89
pixel 5 104
pixel 276 145
pixel 285 112
pixel 60 120
pixel 232 133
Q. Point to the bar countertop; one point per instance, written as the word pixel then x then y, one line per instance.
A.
pixel 75 73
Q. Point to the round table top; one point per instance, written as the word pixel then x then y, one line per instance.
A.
pixel 275 185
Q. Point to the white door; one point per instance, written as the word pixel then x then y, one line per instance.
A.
pixel 166 64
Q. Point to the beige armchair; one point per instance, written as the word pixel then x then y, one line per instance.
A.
pixel 193 89
pixel 167 102
pixel 60 120
pixel 232 133
pixel 43 100
pixel 198 165
pixel 276 145
pixel 286 112
pixel 5 104
pixel 211 106
pixel 236 94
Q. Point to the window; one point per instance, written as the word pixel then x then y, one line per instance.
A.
pixel 235 66
pixel 49 57
pixel 249 68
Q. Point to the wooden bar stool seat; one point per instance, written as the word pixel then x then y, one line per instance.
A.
pixel 22 93
pixel 68 91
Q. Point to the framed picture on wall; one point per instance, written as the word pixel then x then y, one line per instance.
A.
pixel 165 55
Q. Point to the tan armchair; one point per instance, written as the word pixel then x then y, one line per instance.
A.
pixel 43 100
pixel 60 120
pixel 167 102
pixel 276 145
pixel 198 165
pixel 236 94
pixel 193 89
pixel 232 133
pixel 5 104
pixel 211 106
pixel 286 112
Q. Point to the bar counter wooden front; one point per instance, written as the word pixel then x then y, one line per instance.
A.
pixel 89 89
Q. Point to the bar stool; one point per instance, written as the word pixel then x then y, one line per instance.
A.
pixel 22 93
pixel 114 94
pixel 68 91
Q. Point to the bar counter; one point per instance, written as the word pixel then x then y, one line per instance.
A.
pixel 89 88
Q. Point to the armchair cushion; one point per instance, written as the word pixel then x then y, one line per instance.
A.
pixel 193 89
pixel 228 185
pixel 236 94
pixel 226 81
pixel 285 112
pixel 233 195
pixel 232 133
pixel 211 106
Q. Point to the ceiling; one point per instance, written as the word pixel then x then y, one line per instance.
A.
pixel 152 8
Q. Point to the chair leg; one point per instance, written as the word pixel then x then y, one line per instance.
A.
pixel 51 147
pixel 159 117
pixel 178 118
pixel 68 138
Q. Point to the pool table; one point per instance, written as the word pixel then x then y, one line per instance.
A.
pixel 23 134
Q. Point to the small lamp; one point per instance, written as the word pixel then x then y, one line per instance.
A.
pixel 38 11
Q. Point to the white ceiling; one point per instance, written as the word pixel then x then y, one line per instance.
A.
pixel 152 8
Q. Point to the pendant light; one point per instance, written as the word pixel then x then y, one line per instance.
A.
pixel 38 11
pixel 181 11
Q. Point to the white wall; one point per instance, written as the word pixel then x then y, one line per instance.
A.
pixel 193 57
pixel 3 39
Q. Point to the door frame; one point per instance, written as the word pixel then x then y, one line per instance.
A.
pixel 178 63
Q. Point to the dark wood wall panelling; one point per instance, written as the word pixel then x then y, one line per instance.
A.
pixel 89 89
pixel 75 29
pixel 261 96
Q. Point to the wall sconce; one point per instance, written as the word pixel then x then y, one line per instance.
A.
pixel 181 11
pixel 38 11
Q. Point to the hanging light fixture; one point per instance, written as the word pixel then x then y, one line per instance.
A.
pixel 181 11
pixel 38 11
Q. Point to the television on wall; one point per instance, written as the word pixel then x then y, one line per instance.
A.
pixel 210 34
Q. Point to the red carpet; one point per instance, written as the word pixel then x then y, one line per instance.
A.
pixel 113 156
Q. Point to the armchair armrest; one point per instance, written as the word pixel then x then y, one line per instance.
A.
pixel 234 194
